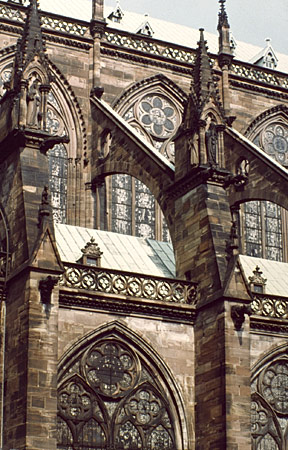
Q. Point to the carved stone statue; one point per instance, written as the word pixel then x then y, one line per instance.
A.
pixel 211 141
pixel 194 149
pixel 33 105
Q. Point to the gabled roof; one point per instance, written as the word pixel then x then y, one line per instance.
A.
pixel 266 51
pixel 162 30
pixel 275 272
pixel 120 252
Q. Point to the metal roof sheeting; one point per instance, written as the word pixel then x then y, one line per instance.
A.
pixel 138 255
pixel 163 31
pixel 275 272
pixel 120 252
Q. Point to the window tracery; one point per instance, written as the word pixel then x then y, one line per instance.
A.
pixel 265 223
pixel 274 141
pixel 109 399
pixel 263 230
pixel 269 406
pixel 134 210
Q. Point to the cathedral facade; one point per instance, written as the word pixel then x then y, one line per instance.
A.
pixel 143 232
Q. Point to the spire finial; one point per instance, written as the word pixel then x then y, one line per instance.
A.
pixel 31 43
pixel 223 18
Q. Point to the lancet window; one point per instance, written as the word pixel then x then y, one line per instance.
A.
pixel 108 399
pixel 58 161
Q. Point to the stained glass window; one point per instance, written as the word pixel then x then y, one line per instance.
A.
pixel 269 406
pixel 58 170
pixel 110 400
pixel 263 230
pixel 130 207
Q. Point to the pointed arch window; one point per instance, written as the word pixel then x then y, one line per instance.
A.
pixel 108 398
pixel 58 161
pixel 263 230
pixel 265 224
pixel 58 171
pixel 127 206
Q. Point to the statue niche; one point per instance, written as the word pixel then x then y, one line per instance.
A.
pixel 211 141
pixel 34 103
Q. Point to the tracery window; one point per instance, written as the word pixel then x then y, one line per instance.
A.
pixel 58 170
pixel 57 160
pixel 274 141
pixel 130 207
pixel 265 224
pixel 108 399
pixel 263 235
pixel 269 406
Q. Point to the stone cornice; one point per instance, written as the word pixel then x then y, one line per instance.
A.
pixel 131 56
pixel 268 326
pixel 120 305
pixel 269 90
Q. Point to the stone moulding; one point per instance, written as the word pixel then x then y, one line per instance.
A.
pixel 120 305
pixel 100 280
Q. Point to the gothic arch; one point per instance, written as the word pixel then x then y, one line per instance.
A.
pixel 64 95
pixel 158 82
pixel 146 376
pixel 269 131
pixel 279 110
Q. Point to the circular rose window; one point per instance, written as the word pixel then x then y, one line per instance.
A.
pixel 274 140
pixel 274 385
pixel 110 368
pixel 158 116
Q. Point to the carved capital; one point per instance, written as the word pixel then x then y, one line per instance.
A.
pixel 97 28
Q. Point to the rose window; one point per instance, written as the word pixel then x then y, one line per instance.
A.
pixel 158 116
pixel 110 369
pixel 274 140
pixel 274 386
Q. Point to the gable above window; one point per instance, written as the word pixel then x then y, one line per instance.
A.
pixel 267 57
pixel 145 29
pixel 117 14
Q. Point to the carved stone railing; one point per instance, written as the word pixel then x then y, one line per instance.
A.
pixel 12 13
pixel 127 284
pixel 270 306
pixel 152 47
pixel 258 74
pixel 64 26
pixel 78 28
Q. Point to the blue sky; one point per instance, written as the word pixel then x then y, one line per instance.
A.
pixel 250 20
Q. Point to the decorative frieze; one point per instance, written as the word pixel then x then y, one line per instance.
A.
pixel 128 284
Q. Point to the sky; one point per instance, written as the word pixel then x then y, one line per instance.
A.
pixel 250 20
